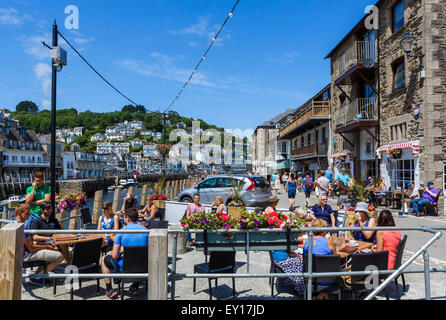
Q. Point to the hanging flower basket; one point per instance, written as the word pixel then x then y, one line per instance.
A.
pixel 70 201
pixel 395 153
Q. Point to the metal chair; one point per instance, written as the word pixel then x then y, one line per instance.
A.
pixel 273 269
pixel 398 260
pixel 362 261
pixel 86 219
pixel 135 261
pixel 219 262
pixel 324 263
pixel 432 208
pixel 85 258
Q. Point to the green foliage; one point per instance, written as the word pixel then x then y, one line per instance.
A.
pixel 27 106
pixel 236 196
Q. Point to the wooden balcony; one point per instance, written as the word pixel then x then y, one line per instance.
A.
pixel 311 150
pixel 316 110
pixel 360 113
pixel 361 56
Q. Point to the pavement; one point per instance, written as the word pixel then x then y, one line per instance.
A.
pixel 259 288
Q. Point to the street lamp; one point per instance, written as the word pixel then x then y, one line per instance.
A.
pixel 407 44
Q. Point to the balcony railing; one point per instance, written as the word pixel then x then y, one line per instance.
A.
pixel 313 149
pixel 362 52
pixel 316 109
pixel 363 109
pixel 8 163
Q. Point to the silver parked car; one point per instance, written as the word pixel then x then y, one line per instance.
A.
pixel 255 192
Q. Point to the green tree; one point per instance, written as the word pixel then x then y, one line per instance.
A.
pixel 128 108
pixel 27 106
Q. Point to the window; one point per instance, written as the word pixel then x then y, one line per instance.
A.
pixel 211 183
pixel 398 132
pixel 23 158
pixel 398 16
pixel 401 173
pixel 343 63
pixel 399 74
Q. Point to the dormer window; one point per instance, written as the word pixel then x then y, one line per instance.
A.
pixel 31 146
pixel 23 145
pixel 6 143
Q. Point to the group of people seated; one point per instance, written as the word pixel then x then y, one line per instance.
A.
pixel 324 243
pixel 43 248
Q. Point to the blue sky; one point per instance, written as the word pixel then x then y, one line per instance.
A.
pixel 270 55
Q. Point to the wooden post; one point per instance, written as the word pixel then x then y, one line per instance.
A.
pixel 116 198
pixel 166 192
pixel 131 189
pixel 11 251
pixel 157 281
pixel 96 206
pixel 143 195
pixel 73 225
pixel 175 189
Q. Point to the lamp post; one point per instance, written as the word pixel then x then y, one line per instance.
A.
pixel 408 44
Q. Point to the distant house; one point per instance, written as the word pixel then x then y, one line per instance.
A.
pixel 149 150
pixel 111 129
pixel 115 136
pixel 157 135
pixel 181 125
pixel 98 137
pixel 137 125
pixel 137 143
pixel 75 147
pixel 146 133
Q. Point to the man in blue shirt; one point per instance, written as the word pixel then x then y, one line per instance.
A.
pixel 323 211
pixel 114 261
pixel 329 175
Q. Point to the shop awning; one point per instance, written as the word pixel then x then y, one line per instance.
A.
pixel 415 145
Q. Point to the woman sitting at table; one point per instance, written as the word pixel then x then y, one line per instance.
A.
pixel 108 221
pixel 218 205
pixel 364 221
pixel 149 212
pixel 387 240
pixel 291 263
pixel 321 244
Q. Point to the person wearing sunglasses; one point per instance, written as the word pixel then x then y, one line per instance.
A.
pixel 108 221
pixel 149 212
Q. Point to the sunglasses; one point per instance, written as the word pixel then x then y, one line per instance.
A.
pixel 105 208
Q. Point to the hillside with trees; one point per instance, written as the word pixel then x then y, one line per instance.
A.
pixel 94 122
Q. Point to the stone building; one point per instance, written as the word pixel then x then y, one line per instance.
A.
pixel 385 98
pixel 308 131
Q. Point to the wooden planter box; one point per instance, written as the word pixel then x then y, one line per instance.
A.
pixel 160 203
pixel 235 212
pixel 259 241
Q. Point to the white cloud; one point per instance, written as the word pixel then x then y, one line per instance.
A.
pixel 164 67
pixel 203 30
pixel 45 104
pixel 199 29
pixel 285 58
pixel 42 71
pixel 83 40
pixel 11 16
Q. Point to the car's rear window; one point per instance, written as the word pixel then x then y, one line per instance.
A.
pixel 260 182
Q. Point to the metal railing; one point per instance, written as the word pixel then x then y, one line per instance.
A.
pixel 173 275
pixel 361 52
pixel 310 275
pixel 361 109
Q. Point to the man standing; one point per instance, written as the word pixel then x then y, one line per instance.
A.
pixel 46 222
pixel 342 181
pixel 324 184
pixel 36 195
pixel 114 261
pixel 430 195
pixel 329 175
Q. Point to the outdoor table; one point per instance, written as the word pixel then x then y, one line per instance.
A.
pixel 361 246
pixel 62 239
pixel 397 194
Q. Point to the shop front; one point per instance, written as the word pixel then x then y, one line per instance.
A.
pixel 343 160
pixel 400 164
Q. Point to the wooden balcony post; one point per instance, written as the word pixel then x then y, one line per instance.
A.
pixel 11 251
